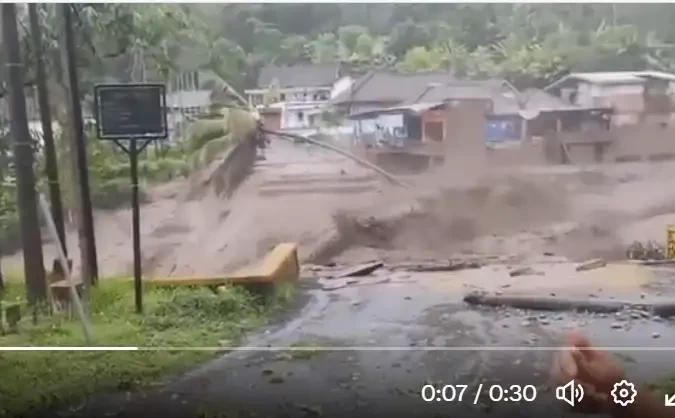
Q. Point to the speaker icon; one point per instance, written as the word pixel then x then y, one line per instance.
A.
pixel 570 393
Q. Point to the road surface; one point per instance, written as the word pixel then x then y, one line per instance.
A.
pixel 369 345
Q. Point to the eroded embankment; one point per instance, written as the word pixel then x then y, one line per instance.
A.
pixel 438 221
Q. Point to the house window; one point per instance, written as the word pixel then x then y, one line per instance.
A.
pixel 301 116
pixel 282 97
pixel 434 131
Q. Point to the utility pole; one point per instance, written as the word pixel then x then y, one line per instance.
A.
pixel 2 279
pixel 31 239
pixel 51 169
pixel 78 152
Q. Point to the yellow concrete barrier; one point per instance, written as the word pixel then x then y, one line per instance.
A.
pixel 670 242
pixel 281 264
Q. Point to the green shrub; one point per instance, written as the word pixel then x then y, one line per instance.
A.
pixel 111 194
pixel 203 131
pixel 34 382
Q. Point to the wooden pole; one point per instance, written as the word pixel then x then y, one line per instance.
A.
pixel 74 296
pixel 33 261
pixel 79 154
pixel 51 166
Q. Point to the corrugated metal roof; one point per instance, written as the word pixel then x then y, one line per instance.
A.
pixel 615 77
pixel 413 108
pixel 531 100
pixel 384 86
pixel 301 75
pixel 456 91
pixel 627 77
pixel 504 100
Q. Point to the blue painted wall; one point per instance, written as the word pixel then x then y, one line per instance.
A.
pixel 503 129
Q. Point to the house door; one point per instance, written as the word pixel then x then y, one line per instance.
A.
pixel 434 131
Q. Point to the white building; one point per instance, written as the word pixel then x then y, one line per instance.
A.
pixel 299 92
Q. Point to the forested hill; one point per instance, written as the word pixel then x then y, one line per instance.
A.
pixel 530 44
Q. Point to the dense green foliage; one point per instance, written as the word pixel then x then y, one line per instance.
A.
pixel 530 44
pixel 173 318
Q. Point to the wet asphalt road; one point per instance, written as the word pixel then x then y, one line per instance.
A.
pixel 382 343
pixel 408 336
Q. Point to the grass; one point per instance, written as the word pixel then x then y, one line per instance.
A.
pixel 35 381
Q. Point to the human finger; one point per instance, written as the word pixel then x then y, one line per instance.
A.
pixel 577 340
pixel 561 370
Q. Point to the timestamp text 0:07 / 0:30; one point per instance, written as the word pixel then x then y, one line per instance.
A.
pixel 496 393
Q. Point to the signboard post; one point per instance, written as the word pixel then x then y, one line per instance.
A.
pixel 134 113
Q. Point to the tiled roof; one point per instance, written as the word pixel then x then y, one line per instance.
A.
pixel 383 86
pixel 301 75
pixel 615 77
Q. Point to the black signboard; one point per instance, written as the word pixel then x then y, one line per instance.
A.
pixel 131 111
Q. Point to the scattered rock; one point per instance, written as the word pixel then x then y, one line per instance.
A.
pixel 544 322
pixel 525 323
pixel 591 265
pixel 373 281
pixel 657 319
pixel 635 315
pixel 334 286
pixel 362 270
pixel 311 410
pixel 407 298
pixel 267 372
pixel 523 271
pixel 617 325
pixel 656 335
pixel 277 379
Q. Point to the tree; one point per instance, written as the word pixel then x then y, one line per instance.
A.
pixel 324 49
pixel 294 49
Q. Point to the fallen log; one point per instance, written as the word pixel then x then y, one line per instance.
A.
pixel 361 270
pixel 546 303
pixel 437 267
pixel 664 309
pixel 347 154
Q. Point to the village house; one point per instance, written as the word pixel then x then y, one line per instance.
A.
pixel 634 96
pixel 382 89
pixel 422 116
pixel 294 97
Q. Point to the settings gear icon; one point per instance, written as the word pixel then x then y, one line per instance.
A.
pixel 624 393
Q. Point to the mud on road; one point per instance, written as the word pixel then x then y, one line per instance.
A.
pixel 385 336
pixel 371 345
